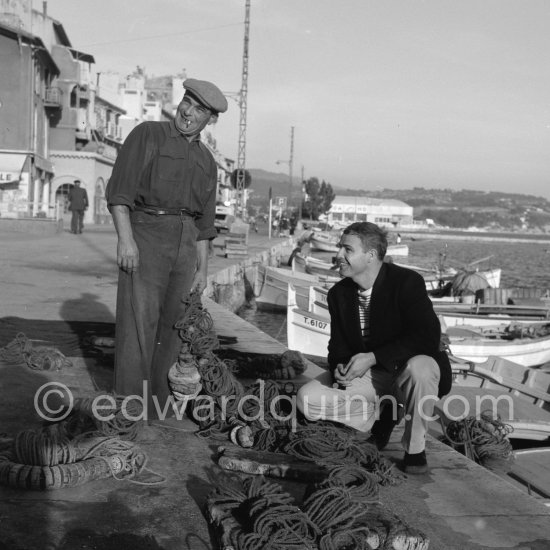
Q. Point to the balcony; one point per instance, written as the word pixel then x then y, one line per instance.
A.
pixel 52 98
pixel 84 95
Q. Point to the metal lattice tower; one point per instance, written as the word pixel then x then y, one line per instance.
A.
pixel 241 157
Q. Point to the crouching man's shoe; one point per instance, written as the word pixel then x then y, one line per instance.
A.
pixel 382 429
pixel 415 463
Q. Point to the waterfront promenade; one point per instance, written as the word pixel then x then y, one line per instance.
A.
pixel 65 277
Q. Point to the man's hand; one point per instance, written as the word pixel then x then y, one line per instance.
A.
pixel 127 252
pixel 357 366
pixel 127 255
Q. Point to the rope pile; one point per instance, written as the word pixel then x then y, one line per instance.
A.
pixel 74 451
pixel 333 446
pixel 332 517
pixel 254 417
pixel 285 366
pixel 267 516
pixel 483 440
pixel 21 350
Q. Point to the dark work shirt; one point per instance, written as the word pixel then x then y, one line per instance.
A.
pixel 78 198
pixel 157 166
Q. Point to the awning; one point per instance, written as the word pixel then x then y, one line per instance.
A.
pixel 43 164
pixel 11 166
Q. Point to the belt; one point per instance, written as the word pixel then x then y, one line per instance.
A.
pixel 156 211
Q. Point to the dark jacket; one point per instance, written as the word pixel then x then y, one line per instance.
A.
pixel 78 198
pixel 402 323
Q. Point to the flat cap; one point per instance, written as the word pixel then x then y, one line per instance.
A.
pixel 207 93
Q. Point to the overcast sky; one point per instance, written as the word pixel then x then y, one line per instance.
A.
pixel 381 93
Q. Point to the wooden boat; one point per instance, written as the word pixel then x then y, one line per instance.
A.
pixel 435 281
pixel 317 302
pixel 531 470
pixel 397 250
pixel 527 344
pixel 519 397
pixel 517 394
pixel 325 241
pixel 313 266
pixel 271 286
pixel 306 332
pixel 457 314
pixel 452 314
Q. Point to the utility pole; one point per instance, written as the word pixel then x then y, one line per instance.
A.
pixel 241 156
pixel 302 184
pixel 290 160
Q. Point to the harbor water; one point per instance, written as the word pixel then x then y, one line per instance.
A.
pixel 523 264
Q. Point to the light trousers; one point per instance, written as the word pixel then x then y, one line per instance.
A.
pixel 412 394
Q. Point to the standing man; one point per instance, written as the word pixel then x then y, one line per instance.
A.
pixel 78 204
pixel 384 342
pixel 162 196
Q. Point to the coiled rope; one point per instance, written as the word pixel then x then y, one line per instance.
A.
pixel 484 440
pixel 334 446
pixel 267 517
pixel 331 518
pixel 21 350
pixel 260 408
pixel 79 449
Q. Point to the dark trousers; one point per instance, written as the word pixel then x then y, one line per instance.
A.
pixel 149 302
pixel 77 221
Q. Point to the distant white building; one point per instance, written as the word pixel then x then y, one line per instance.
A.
pixel 383 212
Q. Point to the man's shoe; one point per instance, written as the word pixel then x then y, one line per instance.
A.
pixel 382 429
pixel 415 463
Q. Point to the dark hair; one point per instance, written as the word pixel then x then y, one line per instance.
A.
pixel 372 236
pixel 77 181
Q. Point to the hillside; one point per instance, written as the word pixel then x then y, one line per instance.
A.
pixel 454 208
pixel 262 180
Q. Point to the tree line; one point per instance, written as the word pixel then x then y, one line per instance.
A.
pixel 316 198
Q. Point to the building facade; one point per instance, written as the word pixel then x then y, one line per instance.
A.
pixel 383 212
pixel 61 121
pixel 26 101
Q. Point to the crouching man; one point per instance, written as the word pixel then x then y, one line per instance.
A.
pixel 384 346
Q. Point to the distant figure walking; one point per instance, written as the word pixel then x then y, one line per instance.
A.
pixel 78 204
pixel 398 239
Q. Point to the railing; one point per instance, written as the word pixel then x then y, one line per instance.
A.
pixel 23 209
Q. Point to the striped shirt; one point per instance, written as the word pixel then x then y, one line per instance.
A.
pixel 364 311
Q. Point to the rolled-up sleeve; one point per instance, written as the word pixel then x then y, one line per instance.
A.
pixel 128 167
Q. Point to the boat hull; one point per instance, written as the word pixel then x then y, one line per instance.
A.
pixel 526 351
pixel 271 287
pixel 306 332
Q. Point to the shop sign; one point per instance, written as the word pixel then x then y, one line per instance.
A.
pixel 8 176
